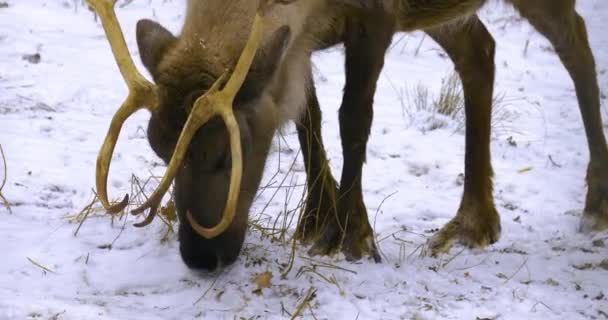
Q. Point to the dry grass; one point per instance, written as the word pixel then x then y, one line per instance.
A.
pixel 282 184
pixel 448 105
pixel 305 302
pixel 449 102
pixel 139 195
pixel 37 264
pixel 275 227
pixel 4 177
pixel 283 192
pixel 279 227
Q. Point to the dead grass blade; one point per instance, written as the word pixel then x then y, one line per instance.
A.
pixel 217 276
pixel 450 101
pixel 267 231
pixel 317 263
pixel 85 212
pixel 138 189
pixel 4 177
pixel 307 299
pixel 376 241
pixel 313 269
pixel 44 269
pixel 524 263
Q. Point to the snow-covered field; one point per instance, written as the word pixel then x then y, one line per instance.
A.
pixel 54 115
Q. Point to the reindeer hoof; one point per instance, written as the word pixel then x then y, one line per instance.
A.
pixel 353 246
pixel 320 209
pixel 595 216
pixel 355 238
pixel 595 221
pixel 474 229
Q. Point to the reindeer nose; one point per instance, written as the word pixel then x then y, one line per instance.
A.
pixel 199 259
pixel 195 255
pixel 207 254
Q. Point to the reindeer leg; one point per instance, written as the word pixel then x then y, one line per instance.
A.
pixel 558 21
pixel 471 48
pixel 367 37
pixel 321 185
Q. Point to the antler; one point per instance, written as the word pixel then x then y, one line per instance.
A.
pixel 141 93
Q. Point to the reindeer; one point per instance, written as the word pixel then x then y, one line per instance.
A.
pixel 234 75
pixel 213 126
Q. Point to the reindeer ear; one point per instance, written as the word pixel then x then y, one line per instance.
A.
pixel 264 65
pixel 152 40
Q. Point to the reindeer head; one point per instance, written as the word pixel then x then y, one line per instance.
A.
pixel 211 126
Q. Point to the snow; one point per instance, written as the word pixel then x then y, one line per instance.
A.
pixel 54 115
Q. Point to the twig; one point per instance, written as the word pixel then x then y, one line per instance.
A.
pixel 309 296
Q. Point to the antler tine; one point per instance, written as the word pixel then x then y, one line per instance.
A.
pixel 149 218
pixel 141 93
pixel 214 102
pixel 134 80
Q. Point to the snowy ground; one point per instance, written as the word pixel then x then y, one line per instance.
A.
pixel 54 114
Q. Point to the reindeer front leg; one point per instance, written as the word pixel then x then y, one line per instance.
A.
pixel 367 37
pixel 471 48
pixel 322 188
